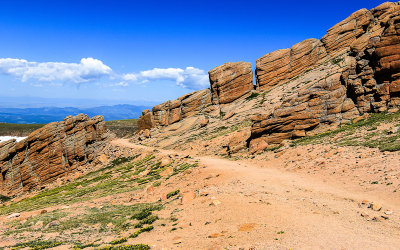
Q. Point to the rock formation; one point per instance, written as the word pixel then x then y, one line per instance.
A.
pixel 280 66
pixel 170 112
pixel 51 152
pixel 354 69
pixel 230 81
pixel 366 46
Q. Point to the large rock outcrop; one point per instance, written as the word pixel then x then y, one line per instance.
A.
pixel 231 81
pixel 363 54
pixel 353 69
pixel 282 65
pixel 51 152
pixel 321 105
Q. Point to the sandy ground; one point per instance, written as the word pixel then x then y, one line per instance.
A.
pixel 264 203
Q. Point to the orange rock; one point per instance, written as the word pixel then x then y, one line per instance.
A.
pixel 230 81
pixel 204 122
pixel 188 197
pixel 51 152
pixel 281 65
pixel 147 133
pixel 248 227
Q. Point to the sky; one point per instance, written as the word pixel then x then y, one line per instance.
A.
pixel 145 51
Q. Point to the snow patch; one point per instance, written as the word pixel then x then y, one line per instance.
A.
pixel 6 138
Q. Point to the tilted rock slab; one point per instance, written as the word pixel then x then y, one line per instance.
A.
pixel 51 152
pixel 230 81
pixel 321 105
pixel 363 52
pixel 170 112
pixel 280 66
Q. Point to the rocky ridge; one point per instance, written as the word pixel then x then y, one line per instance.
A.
pixel 352 70
pixel 51 152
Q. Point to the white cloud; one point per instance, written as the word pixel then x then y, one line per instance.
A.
pixel 192 78
pixel 88 69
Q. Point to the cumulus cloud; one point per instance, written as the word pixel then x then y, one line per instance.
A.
pixel 88 69
pixel 192 78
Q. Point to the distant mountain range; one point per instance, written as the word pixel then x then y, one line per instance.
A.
pixel 51 114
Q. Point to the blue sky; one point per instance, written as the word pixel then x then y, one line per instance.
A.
pixel 145 51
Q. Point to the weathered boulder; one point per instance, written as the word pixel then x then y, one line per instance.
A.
pixel 282 65
pixel 50 152
pixel 238 141
pixel 170 112
pixel 348 31
pixel 161 114
pixel 194 102
pixel 230 81
pixel 145 121
pixel 175 111
pixel 204 122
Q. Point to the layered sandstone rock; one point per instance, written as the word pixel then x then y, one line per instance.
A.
pixel 363 54
pixel 342 35
pixel 51 152
pixel 194 102
pixel 145 121
pixel 374 75
pixel 170 112
pixel 231 81
pixel 322 105
pixel 282 65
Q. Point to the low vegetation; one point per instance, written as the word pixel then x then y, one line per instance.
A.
pixel 122 128
pixel 223 130
pixel 11 129
pixel 73 224
pixel 380 130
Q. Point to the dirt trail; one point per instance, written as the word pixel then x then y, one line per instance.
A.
pixel 247 205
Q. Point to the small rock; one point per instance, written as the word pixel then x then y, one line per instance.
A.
pixel 229 115
pixel 248 227
pixel 216 235
pixel 375 207
pixel 365 215
pixel 43 211
pixel 150 189
pixel 14 215
pixel 204 122
pixel 376 219
pixel 385 217
pixel 188 197
pixel 388 212
pixel 165 162
pixel 215 203
pixel 147 133
pixel 53 224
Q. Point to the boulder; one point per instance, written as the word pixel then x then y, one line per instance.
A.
pixel 204 122
pixel 51 152
pixel 145 121
pixel 238 141
pixel 230 81
pixel 147 133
